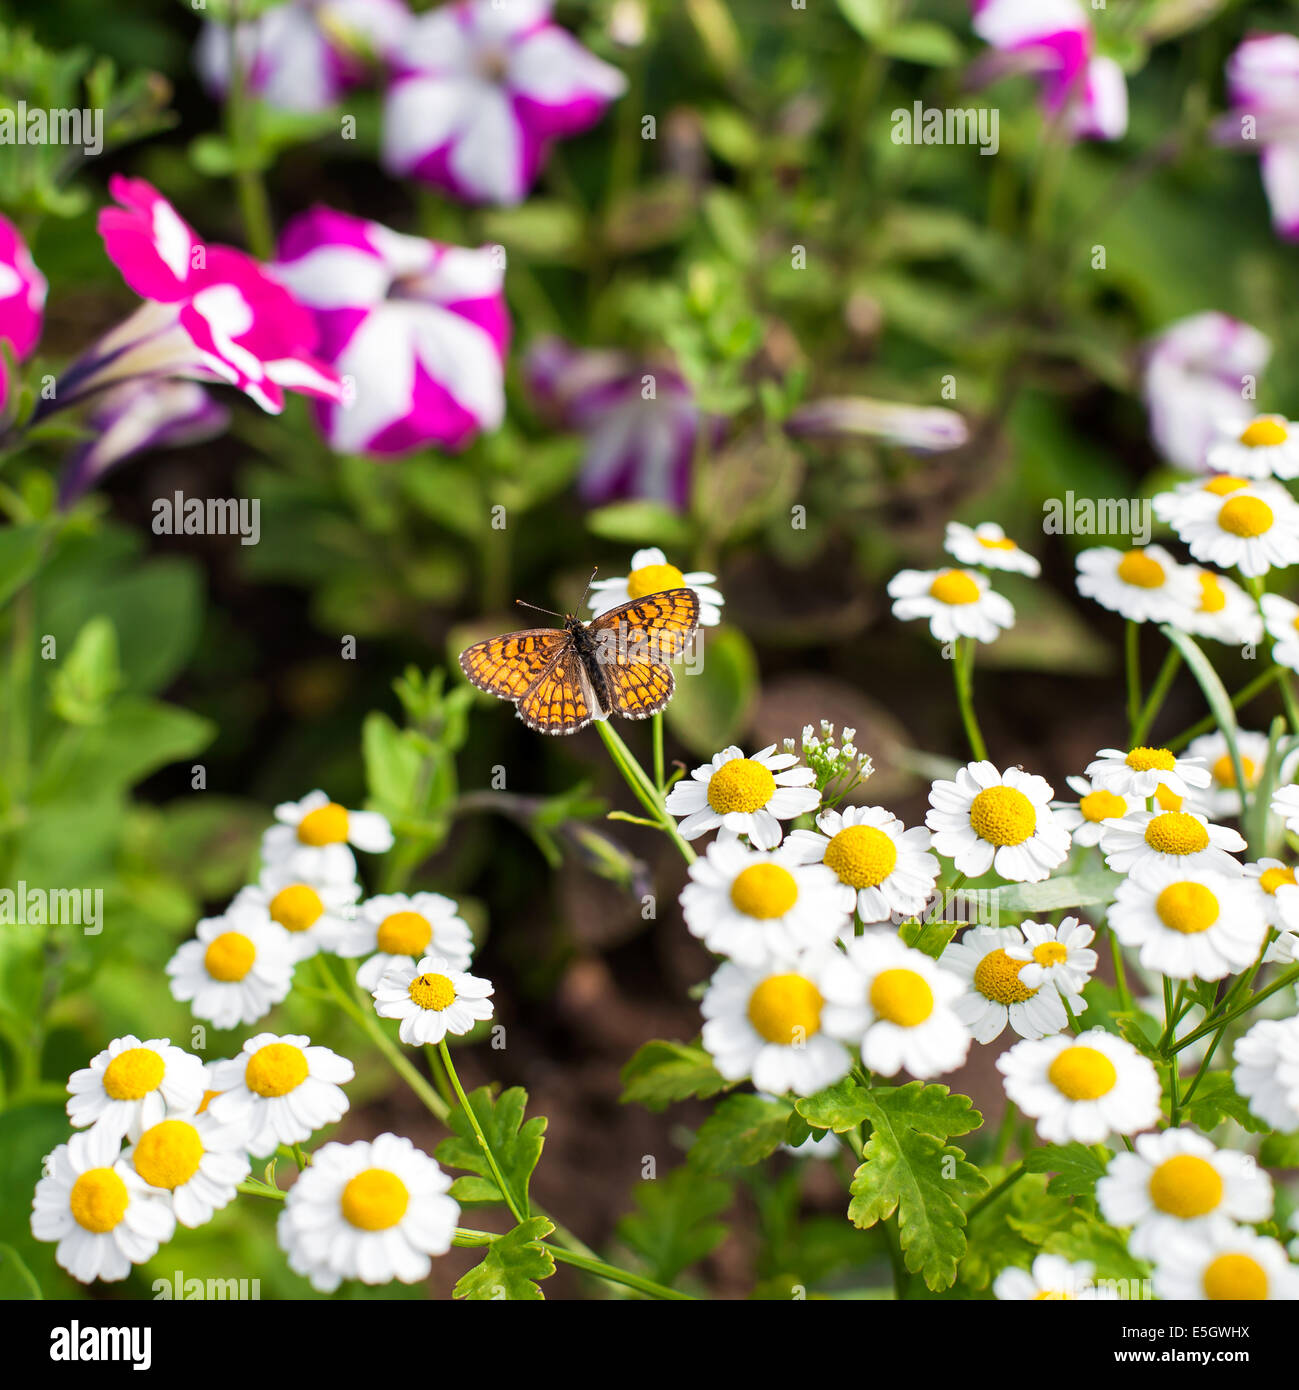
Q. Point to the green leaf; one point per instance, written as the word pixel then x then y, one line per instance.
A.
pixel 662 1072
pixel 88 676
pixel 674 1226
pixel 1216 1100
pixel 743 1130
pixel 512 1265
pixel 515 1142
pixel 714 697
pixel 932 938
pixel 20 554
pixel 868 17
pixel 840 1107
pixel 1090 888
pixel 1100 1246
pixel 920 42
pixel 1075 1168
pixel 1279 1151
pixel 639 523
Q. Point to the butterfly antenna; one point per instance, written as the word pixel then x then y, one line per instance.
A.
pixel 550 612
pixel 594 571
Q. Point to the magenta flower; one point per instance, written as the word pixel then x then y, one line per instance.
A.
pixel 484 87
pixel 418 330
pixel 1263 86
pixel 22 297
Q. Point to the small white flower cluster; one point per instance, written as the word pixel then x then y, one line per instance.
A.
pixel 839 766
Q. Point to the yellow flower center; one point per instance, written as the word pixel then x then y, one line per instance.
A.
pixel 1049 953
pixel 954 587
pixel 1213 598
pixel 1141 570
pixel 988 543
pixel 740 785
pixel 1223 483
pixel 404 934
pixel 996 977
pixel 276 1069
pixel 1150 760
pixel 1224 771
pixel 296 907
pixel 168 1154
pixel 764 891
pixel 1235 1279
pixel 327 825
pixel 1189 908
pixel 1272 879
pixel 785 1009
pixel 1102 805
pixel 230 957
pixel 902 997
pixel 1167 800
pixel 1186 1186
pixel 434 992
pixel 132 1074
pixel 98 1200
pixel 1245 516
pixel 653 579
pixel 1082 1073
pixel 1002 816
pixel 1267 431
pixel 1176 832
pixel 861 856
pixel 1053 1296
pixel 375 1200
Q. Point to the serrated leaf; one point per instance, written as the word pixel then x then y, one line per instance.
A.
pixel 512 1265
pixel 1100 1246
pixel 1090 888
pixel 674 1226
pixel 742 1131
pixel 1132 1029
pixel 933 938
pixel 662 1072
pixel 1216 1100
pixel 840 1107
pixel 1074 1168
pixel 516 1143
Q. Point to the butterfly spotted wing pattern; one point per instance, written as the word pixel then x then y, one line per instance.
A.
pixel 561 700
pixel 634 644
pixel 509 666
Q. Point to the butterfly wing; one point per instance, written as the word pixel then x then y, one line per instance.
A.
pixel 561 700
pixel 655 628
pixel 638 688
pixel 509 666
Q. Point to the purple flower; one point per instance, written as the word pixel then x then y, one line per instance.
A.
pixel 22 297
pixel 925 428
pixel 1263 86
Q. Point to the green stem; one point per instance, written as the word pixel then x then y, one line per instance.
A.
pixel 1212 1025
pixel 254 206
pixel 614 1275
pixel 1120 974
pixel 963 674
pixel 643 789
pixel 893 1244
pixel 992 1194
pixel 518 1210
pixel 1158 694
pixel 657 730
pixel 1242 697
pixel 1132 667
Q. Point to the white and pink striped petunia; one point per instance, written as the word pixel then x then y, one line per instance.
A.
pixel 22 297
pixel 417 329
pixel 483 88
pixel 1263 86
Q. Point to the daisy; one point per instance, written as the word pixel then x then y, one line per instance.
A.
pixel 1144 841
pixel 1278 893
pixel 1267 1071
pixel 1176 1183
pixel 957 602
pixel 313 835
pixel 1265 447
pixel 987 819
pixel 1053 1279
pixel 132 1084
pixel 314 913
pixel 1285 803
pixel 372 1210
pixel 994 993
pixel 988 545
pixel 1281 618
pixel 235 970
pixel 1225 1264
pixel 281 1089
pixel 749 904
pixel 1186 500
pixel 885 871
pixel 198 1161
pixel 749 796
pixel 432 999
pixel 766 1023
pixel 1142 585
pixel 102 1213
pixel 1084 818
pixel 651 574
pixel 1083 1087
pixel 1223 796
pixel 897 1005
pixel 1225 613
pixel 400 928
pixel 1189 922
pixel 1140 772
pixel 1253 530
pixel 1057 955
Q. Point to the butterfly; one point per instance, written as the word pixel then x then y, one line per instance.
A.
pixel 561 678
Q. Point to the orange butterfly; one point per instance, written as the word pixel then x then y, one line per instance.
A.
pixel 561 678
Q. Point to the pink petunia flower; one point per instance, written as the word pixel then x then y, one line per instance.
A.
pixel 1263 86
pixel 418 329
pixel 22 297
pixel 484 87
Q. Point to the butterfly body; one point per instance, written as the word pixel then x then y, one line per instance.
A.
pixel 560 679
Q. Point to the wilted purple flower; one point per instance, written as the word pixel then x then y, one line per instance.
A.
pixel 927 428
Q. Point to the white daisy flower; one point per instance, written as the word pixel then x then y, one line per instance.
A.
pixel 1278 896
pixel 1187 499
pixel 1223 795
pixel 897 1005
pixel 1082 1088
pixel 1053 1279
pixel 1176 1183
pixel 132 1084
pixel 749 796
pixel 1225 1264
pixel 313 912
pixel 1281 618
pixel 1253 530
pixel 989 546
pixel 373 1211
pixel 281 1089
pixel 1267 1071
pixel 400 928
pixel 1145 841
pixel 1142 585
pixel 750 904
pixel 651 574
pixel 1268 446
pixel 1084 818
pixel 235 970
pixel 766 1024
pixel 1140 772
pixel 884 870
pixel 1225 612
pixel 432 999
pixel 1189 922
pixel 994 993
pixel 103 1215
pixel 194 1158
pixel 312 838
pixel 1285 803
pixel 986 819
pixel 957 603
pixel 1057 955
